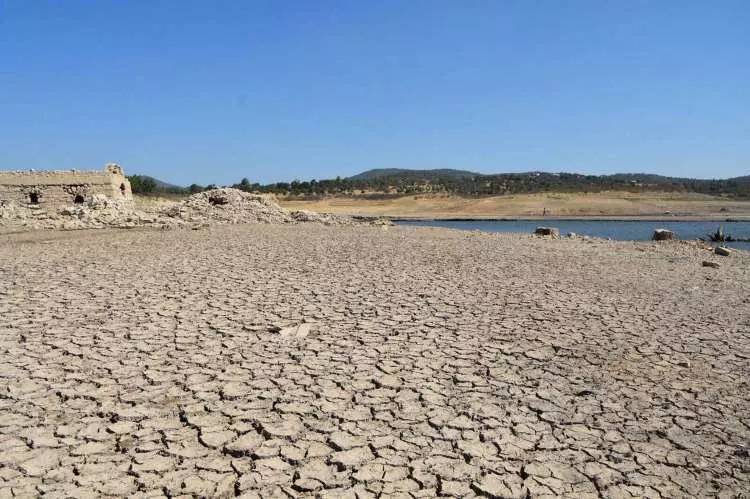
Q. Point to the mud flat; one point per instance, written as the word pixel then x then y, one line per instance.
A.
pixel 352 361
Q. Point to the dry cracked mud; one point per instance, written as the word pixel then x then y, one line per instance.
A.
pixel 285 361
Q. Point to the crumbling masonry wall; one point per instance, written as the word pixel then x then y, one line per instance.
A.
pixel 54 189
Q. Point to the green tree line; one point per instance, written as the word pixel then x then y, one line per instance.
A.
pixel 469 185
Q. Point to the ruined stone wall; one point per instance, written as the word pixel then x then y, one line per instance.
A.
pixel 51 189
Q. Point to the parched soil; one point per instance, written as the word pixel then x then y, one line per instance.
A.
pixel 355 361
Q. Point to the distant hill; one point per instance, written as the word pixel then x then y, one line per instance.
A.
pixel 399 181
pixel 643 178
pixel 394 181
pixel 160 184
pixel 401 172
pixel 650 178
pixel 146 184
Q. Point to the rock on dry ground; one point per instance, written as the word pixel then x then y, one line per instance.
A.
pixel 284 361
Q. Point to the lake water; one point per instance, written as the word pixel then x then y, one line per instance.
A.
pixel 614 229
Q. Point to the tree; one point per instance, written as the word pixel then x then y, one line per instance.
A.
pixel 142 184
pixel 244 185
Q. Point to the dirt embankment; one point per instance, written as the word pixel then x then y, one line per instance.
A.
pixel 603 204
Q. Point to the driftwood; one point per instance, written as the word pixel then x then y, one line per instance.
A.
pixel 722 237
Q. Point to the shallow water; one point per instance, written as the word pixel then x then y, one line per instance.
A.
pixel 622 230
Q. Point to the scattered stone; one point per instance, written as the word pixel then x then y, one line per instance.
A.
pixel 710 264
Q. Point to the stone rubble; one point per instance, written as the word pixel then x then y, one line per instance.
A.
pixel 98 213
pixel 217 206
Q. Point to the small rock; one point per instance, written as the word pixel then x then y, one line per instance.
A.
pixel 711 264
pixel 721 250
pixel 554 232
pixel 663 235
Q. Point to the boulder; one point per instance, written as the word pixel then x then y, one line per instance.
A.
pixel 664 235
pixel 554 232
pixel 721 250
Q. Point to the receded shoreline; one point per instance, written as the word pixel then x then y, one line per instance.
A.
pixel 542 206
pixel 616 218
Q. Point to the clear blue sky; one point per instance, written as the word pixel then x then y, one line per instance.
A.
pixel 214 91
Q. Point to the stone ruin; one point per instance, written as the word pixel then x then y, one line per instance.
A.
pixel 95 200
pixel 55 189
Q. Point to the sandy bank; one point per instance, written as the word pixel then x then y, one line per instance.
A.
pixel 604 205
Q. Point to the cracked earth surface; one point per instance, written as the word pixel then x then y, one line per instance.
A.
pixel 272 361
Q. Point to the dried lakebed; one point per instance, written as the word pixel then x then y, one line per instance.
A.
pixel 275 361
